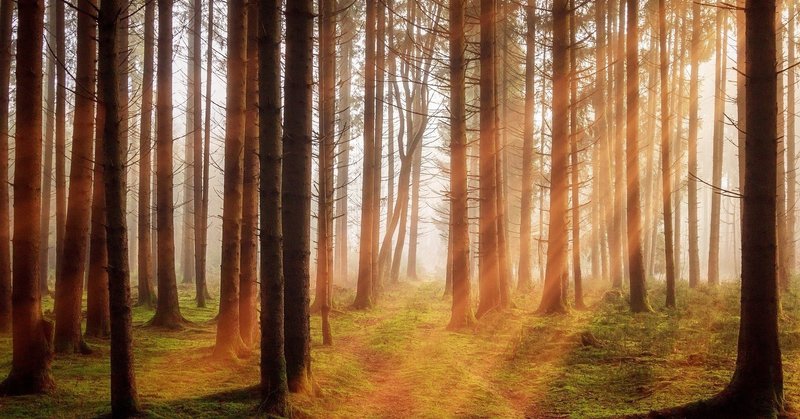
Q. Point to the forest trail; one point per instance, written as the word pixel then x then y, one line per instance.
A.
pixel 397 360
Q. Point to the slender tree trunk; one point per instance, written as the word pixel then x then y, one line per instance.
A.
pixel 791 154
pixel 618 247
pixel 488 280
pixel 719 138
pixel 192 125
pixel 557 245
pixel 168 312
pixel 249 271
pixel 666 160
pixel 341 265
pixel 741 92
pixel 694 251
pixel 147 296
pixel 363 297
pixel 296 210
pixel 201 240
pixel 49 134
pixel 461 313
pixel 783 204
pixel 124 397
pixel 69 281
pixel 575 168
pixel 229 342
pixel 6 12
pixel 61 142
pixel 636 264
pixel 525 283
pixel 603 173
pixel 32 334
pixel 380 78
pixel 274 387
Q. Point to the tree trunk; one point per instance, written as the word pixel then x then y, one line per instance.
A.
pixel 229 342
pixel 296 210
pixel 719 138
pixel 666 160
pixel 635 262
pixel 619 252
pixel 791 155
pixel 168 313
pixel 525 282
pixel 694 251
pixel 147 296
pixel 69 281
pixel 575 168
pixel 248 287
pixel 61 122
pixel 124 398
pixel 49 134
pixel 274 388
pixel 380 77
pixel 342 166
pixel 201 240
pixel 557 242
pixel 488 280
pixel 461 313
pixel 32 334
pixel 6 12
pixel 363 297
pixel 192 125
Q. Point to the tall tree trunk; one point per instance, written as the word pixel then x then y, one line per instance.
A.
pixel 147 296
pixel 363 297
pixel 98 316
pixel 461 312
pixel 60 141
pixel 192 125
pixel 575 168
pixel 666 160
pixel 49 134
pixel 229 342
pixel 783 243
pixel 343 161
pixel 557 242
pixel 488 279
pixel 32 334
pixel 741 92
pixel 249 270
pixel 791 156
pixel 296 210
pixel 694 251
pixel 380 78
pixel 168 313
pixel 636 264
pixel 124 397
pixel 6 12
pixel 201 240
pixel 69 281
pixel 719 138
pixel 274 388
pixel 525 282
pixel 618 246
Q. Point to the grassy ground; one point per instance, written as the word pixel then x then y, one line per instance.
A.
pixel 398 361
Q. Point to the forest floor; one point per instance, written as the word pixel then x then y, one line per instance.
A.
pixel 398 361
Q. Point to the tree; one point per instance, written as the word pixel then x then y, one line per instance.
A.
pixel 274 387
pixel 557 245
pixel 201 224
pixel 61 121
pixel 343 160
pixel 719 134
pixel 618 247
pixel 249 272
pixel 229 339
pixel 296 190
pixel 147 295
pixel 363 297
pixel 694 58
pixel 124 398
pixel 756 388
pixel 192 128
pixel 6 12
pixel 666 160
pixel 32 334
pixel 49 134
pixel 575 168
pixel 489 269
pixel 525 283
pixel 635 258
pixel 168 312
pixel 69 280
pixel 461 313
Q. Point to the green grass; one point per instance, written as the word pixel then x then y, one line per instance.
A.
pixel 397 360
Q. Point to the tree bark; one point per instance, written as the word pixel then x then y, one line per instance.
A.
pixel 147 296
pixel 718 149
pixel 666 159
pixel 525 281
pixel 694 251
pixel 575 168
pixel 6 12
pixel 297 191
pixel 32 334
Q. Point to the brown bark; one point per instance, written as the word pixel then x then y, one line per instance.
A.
pixel 124 398
pixel 201 224
pixel 791 154
pixel 147 295
pixel 229 342
pixel 694 251
pixel 296 187
pixel 69 281
pixel 618 247
pixel 49 134
pixel 719 138
pixel 341 269
pixel 6 12
pixel 249 274
pixel 192 126
pixel 363 297
pixel 525 281
pixel 274 388
pixel 60 140
pixel 32 334
pixel 575 169
pixel 666 159
pixel 380 70
pixel 168 312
